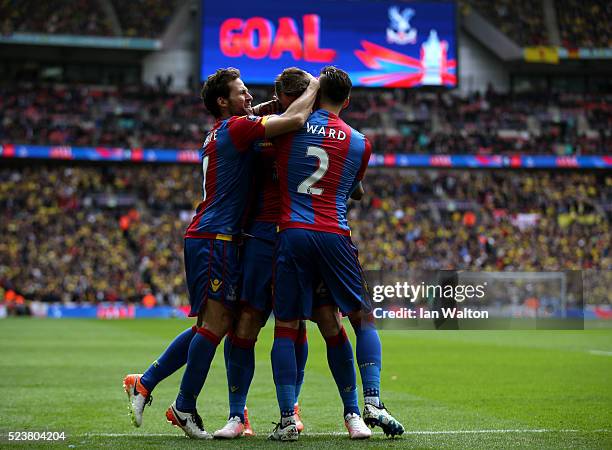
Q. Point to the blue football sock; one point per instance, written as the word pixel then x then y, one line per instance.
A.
pixel 341 364
pixel 301 355
pixel 369 360
pixel 240 367
pixel 201 353
pixel 173 358
pixel 284 368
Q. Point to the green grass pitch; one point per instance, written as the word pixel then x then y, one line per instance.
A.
pixel 468 389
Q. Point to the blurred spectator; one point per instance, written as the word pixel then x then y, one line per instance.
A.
pixel 64 236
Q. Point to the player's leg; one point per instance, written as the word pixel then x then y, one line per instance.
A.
pixel 215 322
pixel 284 370
pixel 292 301
pixel 344 284
pixel 256 305
pixel 216 277
pixel 173 358
pixel 301 356
pixel 139 387
pixel 369 361
pixel 369 355
pixel 239 353
pixel 339 356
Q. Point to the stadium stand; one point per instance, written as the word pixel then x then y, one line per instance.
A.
pixel 79 17
pixel 139 18
pixel 581 24
pixel 585 24
pixel 521 20
pixel 138 117
pixel 95 234
pixel 411 122
pixel 108 232
pixel 490 221
pixel 396 121
pixel 144 18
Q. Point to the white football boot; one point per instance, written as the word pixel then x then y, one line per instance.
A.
pixel 380 417
pixel 233 429
pixel 190 423
pixel 356 427
pixel 138 397
pixel 287 433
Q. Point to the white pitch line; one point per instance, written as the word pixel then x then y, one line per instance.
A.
pixel 129 434
pixel 600 352
pixel 340 433
pixel 438 432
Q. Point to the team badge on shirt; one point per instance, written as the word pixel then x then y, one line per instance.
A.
pixel 216 284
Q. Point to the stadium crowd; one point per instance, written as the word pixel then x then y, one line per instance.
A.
pixel 79 17
pixel 67 237
pixel 144 18
pixel 130 117
pixel 396 121
pixel 137 18
pixel 94 233
pixel 488 221
pixel 581 24
pixel 520 20
pixel 585 24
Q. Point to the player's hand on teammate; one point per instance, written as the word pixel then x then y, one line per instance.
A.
pixel 314 81
pixel 266 108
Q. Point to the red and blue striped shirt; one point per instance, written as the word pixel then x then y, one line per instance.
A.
pixel 318 168
pixel 226 164
pixel 266 203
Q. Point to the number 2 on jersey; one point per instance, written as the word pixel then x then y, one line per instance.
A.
pixel 305 186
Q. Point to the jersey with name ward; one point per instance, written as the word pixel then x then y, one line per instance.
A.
pixel 226 164
pixel 318 168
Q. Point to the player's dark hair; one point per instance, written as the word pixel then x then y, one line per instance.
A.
pixel 217 85
pixel 334 85
pixel 292 82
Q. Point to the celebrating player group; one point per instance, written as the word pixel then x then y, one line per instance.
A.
pixel 271 235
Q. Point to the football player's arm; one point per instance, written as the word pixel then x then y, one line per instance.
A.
pixel 358 192
pixel 296 114
pixel 365 159
pixel 266 108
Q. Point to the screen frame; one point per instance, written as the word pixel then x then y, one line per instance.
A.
pixel 431 88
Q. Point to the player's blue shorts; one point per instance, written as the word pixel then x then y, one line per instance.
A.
pixel 303 259
pixel 258 257
pixel 213 271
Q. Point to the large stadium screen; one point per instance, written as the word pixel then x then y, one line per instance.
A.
pixel 380 44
